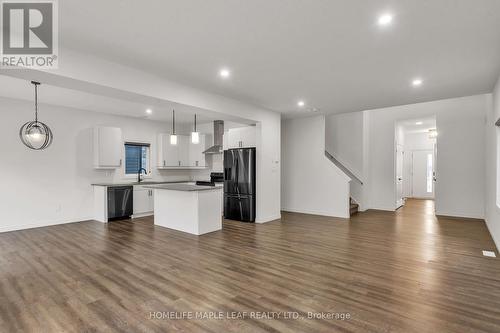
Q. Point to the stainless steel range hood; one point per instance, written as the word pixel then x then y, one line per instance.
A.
pixel 218 133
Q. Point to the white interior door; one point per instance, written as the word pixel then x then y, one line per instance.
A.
pixel 399 176
pixel 422 174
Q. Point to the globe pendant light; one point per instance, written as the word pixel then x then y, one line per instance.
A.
pixel 195 136
pixel 173 137
pixel 35 134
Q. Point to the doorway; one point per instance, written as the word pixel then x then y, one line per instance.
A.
pixel 415 159
pixel 399 175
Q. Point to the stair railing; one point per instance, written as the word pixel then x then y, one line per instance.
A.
pixel 343 167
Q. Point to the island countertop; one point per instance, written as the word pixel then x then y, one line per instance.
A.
pixel 143 183
pixel 183 187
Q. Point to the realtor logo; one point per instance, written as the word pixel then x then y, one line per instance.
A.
pixel 29 34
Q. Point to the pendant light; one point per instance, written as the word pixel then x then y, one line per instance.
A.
pixel 173 137
pixel 195 136
pixel 35 134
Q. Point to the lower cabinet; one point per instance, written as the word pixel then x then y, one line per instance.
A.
pixel 143 200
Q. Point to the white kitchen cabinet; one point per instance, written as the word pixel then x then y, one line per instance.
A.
pixel 183 155
pixel 168 154
pixel 183 150
pixel 143 200
pixel 108 147
pixel 196 156
pixel 172 153
pixel 242 137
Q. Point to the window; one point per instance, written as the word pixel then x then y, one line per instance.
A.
pixel 430 173
pixel 137 156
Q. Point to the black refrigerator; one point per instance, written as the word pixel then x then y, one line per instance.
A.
pixel 239 184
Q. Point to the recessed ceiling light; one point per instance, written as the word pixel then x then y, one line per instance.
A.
pixel 384 19
pixel 149 111
pixel 224 73
pixel 418 123
pixel 417 82
pixel 301 103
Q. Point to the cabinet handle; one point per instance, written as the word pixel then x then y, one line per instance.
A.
pixel 164 163
pixel 196 163
pixel 120 162
pixel 179 163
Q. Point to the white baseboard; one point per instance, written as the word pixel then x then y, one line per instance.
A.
pixel 462 215
pixel 315 212
pixel 495 240
pixel 268 218
pixel 388 209
pixel 135 216
pixel 8 228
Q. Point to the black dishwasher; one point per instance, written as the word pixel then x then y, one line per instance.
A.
pixel 120 201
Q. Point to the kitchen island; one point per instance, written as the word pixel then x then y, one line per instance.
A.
pixel 189 208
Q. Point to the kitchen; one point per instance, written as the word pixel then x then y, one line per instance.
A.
pixel 196 205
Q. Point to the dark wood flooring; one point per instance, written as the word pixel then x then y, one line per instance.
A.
pixel 389 272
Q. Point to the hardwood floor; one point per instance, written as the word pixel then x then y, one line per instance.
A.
pixel 390 272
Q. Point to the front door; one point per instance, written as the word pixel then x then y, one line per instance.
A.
pixel 423 174
pixel 399 176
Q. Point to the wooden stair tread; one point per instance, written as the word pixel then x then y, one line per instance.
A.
pixel 353 207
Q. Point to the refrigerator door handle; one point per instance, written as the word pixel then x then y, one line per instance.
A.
pixel 237 176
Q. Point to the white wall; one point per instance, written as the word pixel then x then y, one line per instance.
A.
pixel 460 154
pixel 344 140
pixel 418 141
pixel 493 166
pixel 53 186
pixel 310 182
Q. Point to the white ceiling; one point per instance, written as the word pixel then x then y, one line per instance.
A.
pixel 330 53
pixel 11 87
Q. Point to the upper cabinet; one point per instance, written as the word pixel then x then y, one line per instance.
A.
pixel 183 155
pixel 196 156
pixel 243 137
pixel 108 144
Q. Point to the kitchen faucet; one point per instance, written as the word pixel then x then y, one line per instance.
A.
pixel 139 174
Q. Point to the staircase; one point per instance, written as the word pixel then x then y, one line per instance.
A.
pixel 353 207
pixel 356 181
